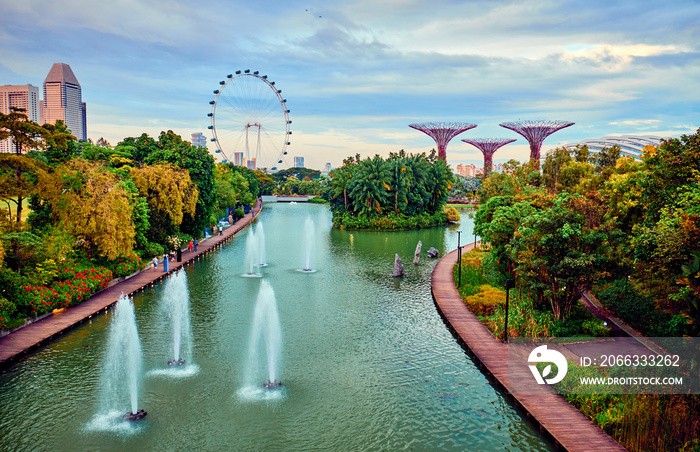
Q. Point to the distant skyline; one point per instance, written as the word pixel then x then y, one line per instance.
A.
pixel 356 73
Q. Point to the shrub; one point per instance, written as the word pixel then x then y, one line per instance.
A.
pixel 126 265
pixel 640 311
pixel 318 200
pixel 485 301
pixel 153 249
pixel 452 215
pixel 76 287
pixel 7 309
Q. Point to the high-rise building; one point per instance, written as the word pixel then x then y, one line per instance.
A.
pixel 238 159
pixel 251 164
pixel 25 97
pixel 198 139
pixel 299 162
pixel 328 168
pixel 466 170
pixel 63 100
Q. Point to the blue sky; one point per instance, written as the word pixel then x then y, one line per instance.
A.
pixel 356 73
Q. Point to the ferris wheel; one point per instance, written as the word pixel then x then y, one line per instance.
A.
pixel 250 121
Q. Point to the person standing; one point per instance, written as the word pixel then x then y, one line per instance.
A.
pixel 190 246
pixel 196 242
pixel 155 263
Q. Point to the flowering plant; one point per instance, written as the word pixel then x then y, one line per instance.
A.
pixel 126 265
pixel 75 287
pixel 174 242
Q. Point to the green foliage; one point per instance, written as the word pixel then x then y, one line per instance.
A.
pixel 639 310
pixel 396 190
pixel 126 265
pixel 317 200
pixel 452 215
pixel 389 222
pixel 75 285
pixel 281 176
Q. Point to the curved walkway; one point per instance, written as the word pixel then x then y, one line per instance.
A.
pixel 567 426
pixel 19 343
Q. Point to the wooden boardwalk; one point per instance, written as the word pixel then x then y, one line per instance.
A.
pixel 19 343
pixel 564 424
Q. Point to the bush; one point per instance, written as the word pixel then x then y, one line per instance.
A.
pixel 77 286
pixel 640 311
pixel 318 200
pixel 390 222
pixel 126 265
pixel 7 309
pixel 153 249
pixel 452 215
pixel 486 300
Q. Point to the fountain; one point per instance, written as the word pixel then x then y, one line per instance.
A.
pixel 252 260
pixel 308 244
pixel 175 307
pixel 260 235
pixel 121 370
pixel 266 325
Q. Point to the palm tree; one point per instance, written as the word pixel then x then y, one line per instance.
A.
pixel 370 189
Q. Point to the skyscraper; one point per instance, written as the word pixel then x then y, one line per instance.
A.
pixel 298 162
pixel 63 100
pixel 25 97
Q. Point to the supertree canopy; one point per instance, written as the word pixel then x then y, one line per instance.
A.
pixel 442 133
pixel 535 132
pixel 488 146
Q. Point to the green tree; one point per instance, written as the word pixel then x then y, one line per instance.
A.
pixel 170 195
pixel 370 187
pixel 90 204
pixel 558 254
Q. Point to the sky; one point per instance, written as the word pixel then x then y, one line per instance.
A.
pixel 355 73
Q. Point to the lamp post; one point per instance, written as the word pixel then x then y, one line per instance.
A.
pixel 509 284
pixel 459 257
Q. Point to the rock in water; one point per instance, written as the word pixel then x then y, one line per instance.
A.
pixel 398 267
pixel 432 253
pixel 417 257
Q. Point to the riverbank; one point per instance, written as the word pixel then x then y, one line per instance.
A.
pixel 22 341
pixel 557 418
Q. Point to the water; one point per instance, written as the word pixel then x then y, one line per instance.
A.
pixel 308 243
pixel 174 318
pixel 252 261
pixel 367 363
pixel 260 236
pixel 265 344
pixel 121 368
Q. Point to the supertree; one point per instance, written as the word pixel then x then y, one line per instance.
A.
pixel 442 133
pixel 488 146
pixel 535 132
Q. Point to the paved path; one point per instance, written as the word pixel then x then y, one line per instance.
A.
pixel 558 419
pixel 17 344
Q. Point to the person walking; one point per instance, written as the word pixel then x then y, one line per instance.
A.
pixel 190 246
pixel 196 242
pixel 155 263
